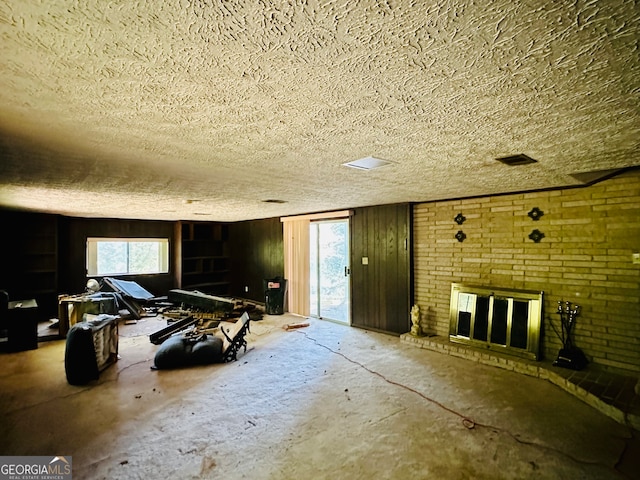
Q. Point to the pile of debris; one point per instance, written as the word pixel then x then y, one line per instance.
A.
pixel 191 312
pixel 200 313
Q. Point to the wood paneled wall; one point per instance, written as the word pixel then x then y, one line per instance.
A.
pixel 29 259
pixel 382 289
pixel 257 252
pixel 73 240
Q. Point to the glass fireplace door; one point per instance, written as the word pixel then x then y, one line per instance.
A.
pixel 503 320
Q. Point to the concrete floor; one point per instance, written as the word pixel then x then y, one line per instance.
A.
pixel 326 401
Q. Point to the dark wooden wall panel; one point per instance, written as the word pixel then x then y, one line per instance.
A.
pixel 257 252
pixel 29 259
pixel 381 290
pixel 74 233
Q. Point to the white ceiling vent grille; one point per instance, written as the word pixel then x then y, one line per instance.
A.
pixel 367 163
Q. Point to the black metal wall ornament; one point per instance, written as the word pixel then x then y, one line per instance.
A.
pixel 460 236
pixel 460 218
pixel 535 213
pixel 536 235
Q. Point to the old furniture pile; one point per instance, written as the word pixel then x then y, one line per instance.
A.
pixel 195 331
pixel 194 339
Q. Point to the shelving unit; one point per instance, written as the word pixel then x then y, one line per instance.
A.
pixel 35 251
pixel 205 257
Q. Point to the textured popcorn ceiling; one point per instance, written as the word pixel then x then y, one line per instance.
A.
pixel 203 109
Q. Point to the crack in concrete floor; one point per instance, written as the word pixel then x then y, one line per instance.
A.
pixel 466 421
pixel 346 408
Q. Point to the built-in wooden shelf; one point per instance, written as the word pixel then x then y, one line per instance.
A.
pixel 205 257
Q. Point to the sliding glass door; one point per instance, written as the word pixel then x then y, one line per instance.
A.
pixel 329 270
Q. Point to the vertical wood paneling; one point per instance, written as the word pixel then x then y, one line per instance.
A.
pixel 381 294
pixel 257 252
pixel 63 269
pixel 75 231
pixel 29 259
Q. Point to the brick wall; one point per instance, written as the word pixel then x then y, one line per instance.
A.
pixel 585 257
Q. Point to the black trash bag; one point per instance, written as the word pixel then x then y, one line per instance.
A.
pixel 174 352
pixel 207 351
pixel 179 351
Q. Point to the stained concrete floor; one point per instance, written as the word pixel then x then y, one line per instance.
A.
pixel 326 401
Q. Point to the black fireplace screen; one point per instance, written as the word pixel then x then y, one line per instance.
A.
pixel 504 320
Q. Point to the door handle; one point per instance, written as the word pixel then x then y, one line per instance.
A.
pixel 347 272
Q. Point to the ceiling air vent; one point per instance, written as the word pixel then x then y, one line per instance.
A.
pixel 514 160
pixel 367 163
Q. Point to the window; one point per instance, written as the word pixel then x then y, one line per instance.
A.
pixel 127 256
